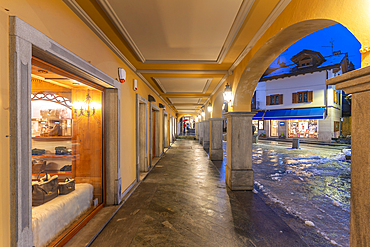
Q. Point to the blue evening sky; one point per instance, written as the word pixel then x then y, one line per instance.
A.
pixel 318 41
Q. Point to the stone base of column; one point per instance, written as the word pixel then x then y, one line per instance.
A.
pixel 201 140
pixel 205 144
pixel 239 179
pixel 216 154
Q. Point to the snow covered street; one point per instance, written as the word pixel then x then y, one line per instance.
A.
pixel 312 183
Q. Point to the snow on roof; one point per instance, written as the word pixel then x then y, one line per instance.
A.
pixel 292 68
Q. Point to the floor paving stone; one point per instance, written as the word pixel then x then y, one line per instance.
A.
pixel 184 202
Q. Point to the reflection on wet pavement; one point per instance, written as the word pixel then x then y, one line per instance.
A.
pixel 312 183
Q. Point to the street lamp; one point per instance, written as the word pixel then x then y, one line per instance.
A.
pixel 209 108
pixel 228 93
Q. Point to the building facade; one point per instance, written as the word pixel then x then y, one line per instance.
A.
pixel 293 100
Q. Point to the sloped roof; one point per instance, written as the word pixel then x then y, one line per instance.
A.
pixel 333 61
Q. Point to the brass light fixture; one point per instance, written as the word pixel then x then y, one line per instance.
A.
pixel 86 108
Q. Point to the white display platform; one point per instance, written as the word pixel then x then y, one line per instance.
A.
pixel 51 218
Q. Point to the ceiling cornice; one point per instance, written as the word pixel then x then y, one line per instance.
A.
pixel 238 22
pixel 121 28
pixel 76 8
pixel 270 19
pixel 160 84
pixel 194 72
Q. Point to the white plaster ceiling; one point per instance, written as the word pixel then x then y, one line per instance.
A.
pixel 186 107
pixel 174 30
pixel 183 85
pixel 185 100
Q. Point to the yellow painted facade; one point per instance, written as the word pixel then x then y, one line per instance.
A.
pixel 57 21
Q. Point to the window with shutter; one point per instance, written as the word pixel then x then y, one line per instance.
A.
pixel 302 97
pixel 276 99
pixel 280 99
pixel 310 96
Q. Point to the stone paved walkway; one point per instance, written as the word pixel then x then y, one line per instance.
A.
pixel 184 202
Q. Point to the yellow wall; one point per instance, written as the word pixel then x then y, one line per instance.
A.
pixel 4 130
pixel 58 22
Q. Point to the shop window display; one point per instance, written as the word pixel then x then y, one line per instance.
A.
pixel 67 152
pixel 303 128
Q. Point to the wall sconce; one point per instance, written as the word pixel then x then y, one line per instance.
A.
pixel 199 117
pixel 203 113
pixel 209 108
pixel 86 108
pixel 228 93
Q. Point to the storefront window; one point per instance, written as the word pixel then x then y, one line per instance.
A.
pixel 67 152
pixel 255 124
pixel 303 128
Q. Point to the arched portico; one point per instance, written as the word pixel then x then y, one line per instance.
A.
pixel 283 32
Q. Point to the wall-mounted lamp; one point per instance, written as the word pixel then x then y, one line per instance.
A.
pixel 228 93
pixel 86 108
pixel 151 98
pixel 203 113
pixel 209 108
pixel 122 75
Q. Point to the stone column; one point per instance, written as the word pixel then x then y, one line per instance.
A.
pixel 357 83
pixel 206 134
pixel 197 130
pixel 239 173
pixel 215 144
pixel 200 127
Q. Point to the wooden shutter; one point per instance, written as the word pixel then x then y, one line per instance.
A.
pixel 280 99
pixel 294 98
pixel 309 96
pixel 268 100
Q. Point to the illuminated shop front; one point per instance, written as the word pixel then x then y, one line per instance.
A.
pixel 297 123
pixel 303 128
pixel 67 123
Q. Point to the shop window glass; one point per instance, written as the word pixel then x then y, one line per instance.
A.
pixel 305 97
pixel 67 145
pixel 303 128
pixel 300 97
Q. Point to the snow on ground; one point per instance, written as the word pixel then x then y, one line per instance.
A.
pixel 312 183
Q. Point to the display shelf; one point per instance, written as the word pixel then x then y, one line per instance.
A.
pixel 52 137
pixel 53 156
pixel 54 172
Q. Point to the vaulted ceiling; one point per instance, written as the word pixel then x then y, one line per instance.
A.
pixel 183 50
